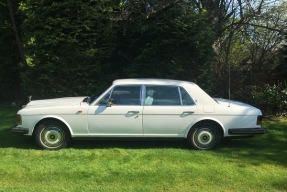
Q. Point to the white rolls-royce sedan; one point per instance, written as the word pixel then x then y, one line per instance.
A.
pixel 140 108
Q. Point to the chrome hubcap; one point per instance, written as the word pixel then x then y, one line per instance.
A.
pixel 52 136
pixel 204 138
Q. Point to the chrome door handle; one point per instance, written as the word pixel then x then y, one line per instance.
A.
pixel 134 112
pixel 186 113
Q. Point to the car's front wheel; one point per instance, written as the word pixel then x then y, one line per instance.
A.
pixel 52 134
pixel 204 136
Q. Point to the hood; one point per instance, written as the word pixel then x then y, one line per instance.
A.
pixel 227 102
pixel 67 101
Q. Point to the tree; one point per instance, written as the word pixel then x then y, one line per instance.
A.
pixel 85 43
pixel 16 33
pixel 245 28
pixel 9 56
pixel 69 46
pixel 165 39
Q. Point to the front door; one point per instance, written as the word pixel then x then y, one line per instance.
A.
pixel 122 118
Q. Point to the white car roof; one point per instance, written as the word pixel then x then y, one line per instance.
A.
pixel 197 94
pixel 151 82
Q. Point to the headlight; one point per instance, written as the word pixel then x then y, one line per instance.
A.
pixel 19 119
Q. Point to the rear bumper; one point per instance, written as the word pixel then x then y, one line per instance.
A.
pixel 20 130
pixel 246 131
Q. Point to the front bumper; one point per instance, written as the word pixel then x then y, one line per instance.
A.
pixel 246 131
pixel 20 130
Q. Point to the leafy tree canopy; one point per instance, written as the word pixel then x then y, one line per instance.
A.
pixel 75 47
pixel 69 45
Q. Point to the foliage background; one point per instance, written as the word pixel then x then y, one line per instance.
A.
pixel 71 48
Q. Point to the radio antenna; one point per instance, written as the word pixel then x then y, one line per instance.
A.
pixel 229 84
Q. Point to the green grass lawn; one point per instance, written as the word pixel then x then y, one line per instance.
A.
pixel 255 164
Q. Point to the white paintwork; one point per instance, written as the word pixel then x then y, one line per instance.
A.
pixel 172 121
pixel 84 120
pixel 67 101
pixel 115 120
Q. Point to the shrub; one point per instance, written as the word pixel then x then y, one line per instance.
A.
pixel 272 99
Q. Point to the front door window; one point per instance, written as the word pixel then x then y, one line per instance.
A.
pixel 123 95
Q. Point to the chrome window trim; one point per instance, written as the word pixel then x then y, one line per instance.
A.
pixel 178 89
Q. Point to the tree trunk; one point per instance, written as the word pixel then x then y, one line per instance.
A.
pixel 21 52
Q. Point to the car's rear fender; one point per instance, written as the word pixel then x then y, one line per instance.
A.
pixel 208 120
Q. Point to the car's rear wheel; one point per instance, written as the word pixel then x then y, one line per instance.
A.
pixel 52 134
pixel 204 136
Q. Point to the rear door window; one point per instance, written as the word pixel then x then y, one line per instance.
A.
pixel 162 95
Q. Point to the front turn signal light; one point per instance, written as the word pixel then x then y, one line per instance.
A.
pixel 19 119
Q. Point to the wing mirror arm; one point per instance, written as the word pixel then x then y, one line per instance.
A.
pixel 110 102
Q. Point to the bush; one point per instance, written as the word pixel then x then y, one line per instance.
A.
pixel 272 99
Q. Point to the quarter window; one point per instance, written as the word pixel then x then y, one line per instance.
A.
pixel 186 100
pixel 105 99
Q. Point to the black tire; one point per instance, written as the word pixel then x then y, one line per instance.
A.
pixel 52 134
pixel 204 136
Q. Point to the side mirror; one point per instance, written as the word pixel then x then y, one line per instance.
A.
pixel 110 102
pixel 87 100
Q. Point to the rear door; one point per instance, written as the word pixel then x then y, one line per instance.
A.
pixel 168 111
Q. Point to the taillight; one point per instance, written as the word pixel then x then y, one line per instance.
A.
pixel 259 120
pixel 19 119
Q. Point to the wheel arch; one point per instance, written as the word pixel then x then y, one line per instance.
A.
pixel 210 121
pixel 53 118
